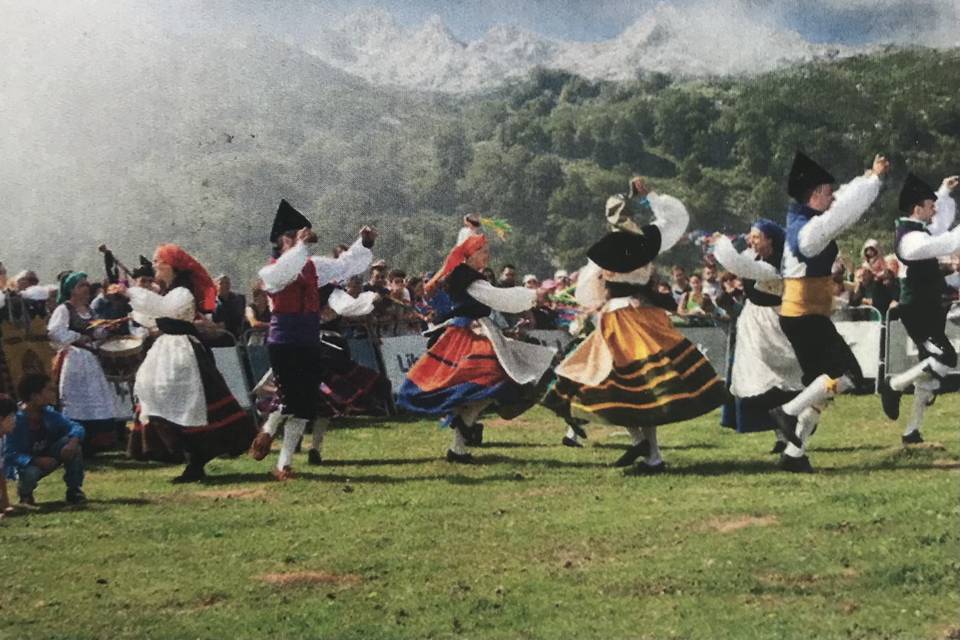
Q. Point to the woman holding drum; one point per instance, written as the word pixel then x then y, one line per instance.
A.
pixel 86 395
pixel 183 397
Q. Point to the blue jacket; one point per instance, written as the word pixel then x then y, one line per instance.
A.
pixel 19 450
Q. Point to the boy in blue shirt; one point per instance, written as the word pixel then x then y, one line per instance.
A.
pixel 42 440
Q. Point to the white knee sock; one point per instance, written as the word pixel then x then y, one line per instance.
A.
pixel 273 422
pixel 650 435
pixel 921 396
pixel 292 432
pixel 319 430
pixel 636 434
pixel 817 392
pixel 918 371
pixel 806 422
pixel 459 444
pixel 572 435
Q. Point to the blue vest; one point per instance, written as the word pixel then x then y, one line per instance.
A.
pixel 818 266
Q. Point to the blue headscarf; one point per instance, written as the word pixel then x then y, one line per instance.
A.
pixel 68 284
pixel 776 233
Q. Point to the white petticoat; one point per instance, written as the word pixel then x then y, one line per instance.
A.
pixel 168 383
pixel 763 357
pixel 85 392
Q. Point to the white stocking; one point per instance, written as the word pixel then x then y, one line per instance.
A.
pixel 292 432
pixel 650 435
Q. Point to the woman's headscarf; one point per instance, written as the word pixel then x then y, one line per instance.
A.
pixel 773 231
pixel 68 283
pixel 457 256
pixel 204 289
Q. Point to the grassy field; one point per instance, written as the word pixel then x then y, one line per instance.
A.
pixel 535 541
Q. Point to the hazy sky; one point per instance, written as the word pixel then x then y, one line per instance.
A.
pixel 836 21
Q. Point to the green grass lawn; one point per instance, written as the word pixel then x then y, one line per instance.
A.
pixel 386 540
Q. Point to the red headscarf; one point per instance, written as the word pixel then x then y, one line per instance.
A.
pixel 204 290
pixel 456 257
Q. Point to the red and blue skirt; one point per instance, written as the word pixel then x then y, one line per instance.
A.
pixel 459 369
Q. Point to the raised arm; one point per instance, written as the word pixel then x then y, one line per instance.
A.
pixel 743 264
pixel 507 300
pixel 285 270
pixel 851 201
pixel 918 245
pixel 179 303
pixel 351 262
pixel 670 216
pixel 946 207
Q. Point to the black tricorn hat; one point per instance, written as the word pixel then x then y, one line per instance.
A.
pixel 624 251
pixel 914 192
pixel 288 219
pixel 805 174
pixel 145 270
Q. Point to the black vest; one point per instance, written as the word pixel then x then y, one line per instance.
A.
pixel 464 305
pixel 924 284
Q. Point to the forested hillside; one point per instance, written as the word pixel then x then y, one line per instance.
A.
pixel 199 149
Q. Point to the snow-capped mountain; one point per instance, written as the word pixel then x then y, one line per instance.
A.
pixel 681 42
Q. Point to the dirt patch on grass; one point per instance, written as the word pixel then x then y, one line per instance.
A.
pixel 310 578
pixel 946 463
pixel 234 494
pixel 951 633
pixel 727 525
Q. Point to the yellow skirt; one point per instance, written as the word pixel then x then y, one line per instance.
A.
pixel 646 373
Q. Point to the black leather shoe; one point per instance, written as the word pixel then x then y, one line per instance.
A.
pixel 461 458
pixel 190 474
pixel 786 425
pixel 76 497
pixel 644 469
pixel 890 400
pixel 313 457
pixel 779 447
pixel 570 442
pixel 913 437
pixel 796 465
pixel 630 455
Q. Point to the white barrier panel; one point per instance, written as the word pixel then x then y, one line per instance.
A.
pixel 902 353
pixel 229 363
pixel 864 338
pixel 713 344
pixel 399 355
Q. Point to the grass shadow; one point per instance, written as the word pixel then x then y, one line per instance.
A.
pixel 377 462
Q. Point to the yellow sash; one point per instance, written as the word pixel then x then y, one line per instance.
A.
pixel 807 296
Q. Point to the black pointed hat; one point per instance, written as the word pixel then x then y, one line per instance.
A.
pixel 145 270
pixel 288 219
pixel 805 174
pixel 625 251
pixel 914 192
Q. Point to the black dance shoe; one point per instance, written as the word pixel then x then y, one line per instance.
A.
pixel 779 447
pixel 190 474
pixel 796 465
pixel 570 442
pixel 630 455
pixel 460 458
pixel 76 496
pixel 890 400
pixel 313 457
pixel 913 437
